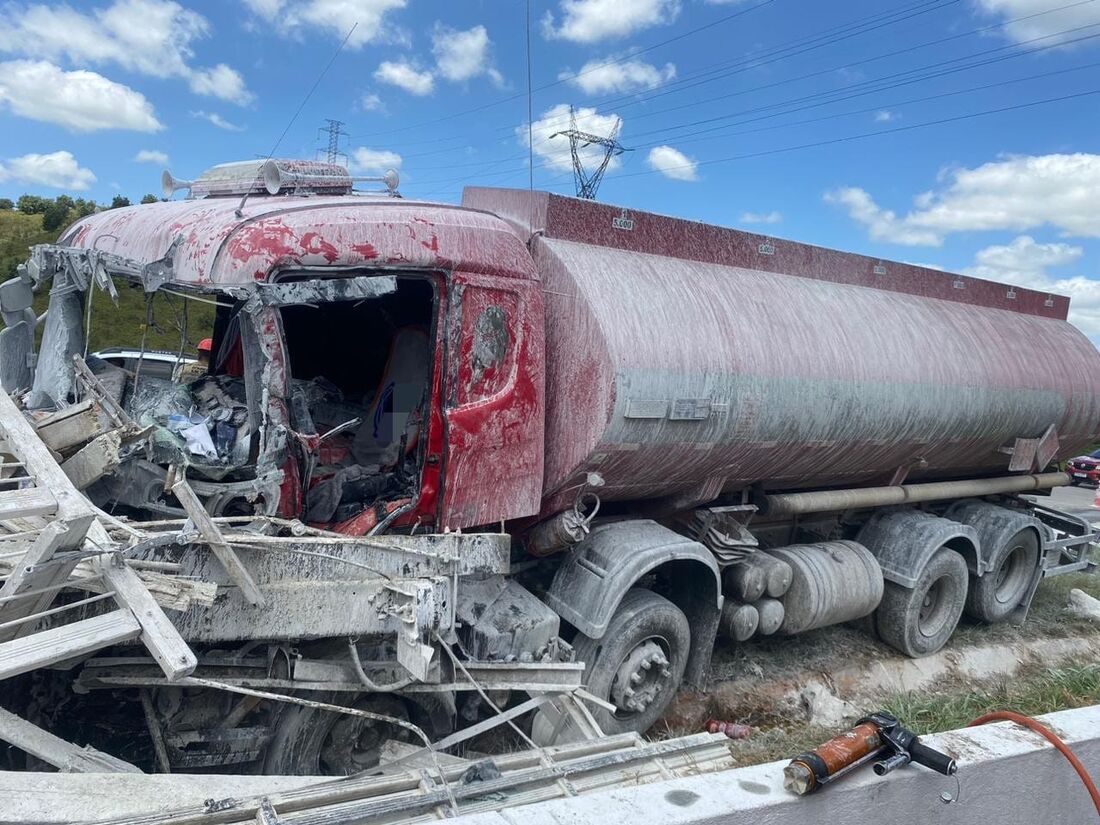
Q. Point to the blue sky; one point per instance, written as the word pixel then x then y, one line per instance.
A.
pixel 796 118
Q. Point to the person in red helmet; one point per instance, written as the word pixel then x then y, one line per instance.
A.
pixel 197 369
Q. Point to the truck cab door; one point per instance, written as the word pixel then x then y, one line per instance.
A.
pixel 495 401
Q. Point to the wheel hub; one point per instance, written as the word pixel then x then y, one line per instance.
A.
pixel 932 610
pixel 641 677
pixel 353 744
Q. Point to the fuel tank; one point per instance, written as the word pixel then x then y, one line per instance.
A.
pixel 684 360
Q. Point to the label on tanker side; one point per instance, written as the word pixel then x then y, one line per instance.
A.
pixel 646 408
pixel 622 222
pixel 691 409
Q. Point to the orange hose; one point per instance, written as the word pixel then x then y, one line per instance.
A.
pixel 1050 736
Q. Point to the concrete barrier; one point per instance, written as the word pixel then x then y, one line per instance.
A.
pixel 1006 775
pixel 64 798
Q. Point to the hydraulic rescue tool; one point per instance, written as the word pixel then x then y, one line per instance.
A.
pixel 877 738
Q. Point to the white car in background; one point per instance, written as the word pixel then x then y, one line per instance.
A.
pixel 154 363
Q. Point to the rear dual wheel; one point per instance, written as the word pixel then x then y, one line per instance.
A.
pixel 994 596
pixel 919 620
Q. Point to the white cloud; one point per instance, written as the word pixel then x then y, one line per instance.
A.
pixel 1044 25
pixel 1013 193
pixel 614 75
pixel 374 160
pixel 1024 262
pixel 58 170
pixel 554 151
pixel 218 120
pixel 336 17
pixel 882 224
pixel 405 76
pixel 762 217
pixel 589 21
pixel 672 163
pixel 151 156
pixel 267 9
pixel 886 116
pixel 81 101
pixel 151 37
pixel 371 103
pixel 222 82
pixel 463 55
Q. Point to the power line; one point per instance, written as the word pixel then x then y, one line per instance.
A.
pixel 848 92
pixel 691 138
pixel 558 82
pixel 845 114
pixel 864 135
pixel 866 87
pixel 530 137
pixel 830 70
pixel 746 63
pixel 313 89
pixel 721 71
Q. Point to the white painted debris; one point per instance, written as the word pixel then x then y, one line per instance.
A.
pixel 1084 605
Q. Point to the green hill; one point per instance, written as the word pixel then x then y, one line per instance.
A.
pixel 111 327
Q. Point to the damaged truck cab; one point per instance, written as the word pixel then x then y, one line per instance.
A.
pixel 531 440
pixel 375 361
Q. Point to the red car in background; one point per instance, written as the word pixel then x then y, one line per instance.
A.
pixel 1084 469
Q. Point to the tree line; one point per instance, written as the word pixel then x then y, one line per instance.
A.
pixel 61 211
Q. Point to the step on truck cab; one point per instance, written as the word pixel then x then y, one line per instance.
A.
pixel 574 433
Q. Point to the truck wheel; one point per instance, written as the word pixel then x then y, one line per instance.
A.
pixel 994 596
pixel 919 620
pixel 314 742
pixel 638 663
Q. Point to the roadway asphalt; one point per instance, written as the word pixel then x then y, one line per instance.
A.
pixel 1076 500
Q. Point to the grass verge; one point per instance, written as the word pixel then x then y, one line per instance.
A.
pixel 1032 693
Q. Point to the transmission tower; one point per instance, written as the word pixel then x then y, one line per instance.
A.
pixel 334 131
pixel 589 182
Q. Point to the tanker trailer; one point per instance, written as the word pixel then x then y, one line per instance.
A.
pixel 533 429
pixel 846 437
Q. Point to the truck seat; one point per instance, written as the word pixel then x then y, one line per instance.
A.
pixel 398 398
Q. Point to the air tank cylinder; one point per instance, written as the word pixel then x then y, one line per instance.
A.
pixel 739 621
pixel 771 616
pixel 831 582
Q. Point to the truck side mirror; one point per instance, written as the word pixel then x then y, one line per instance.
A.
pixel 16 295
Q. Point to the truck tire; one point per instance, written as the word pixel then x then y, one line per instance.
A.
pixel 315 742
pixel 919 620
pixel 994 596
pixel 647 638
